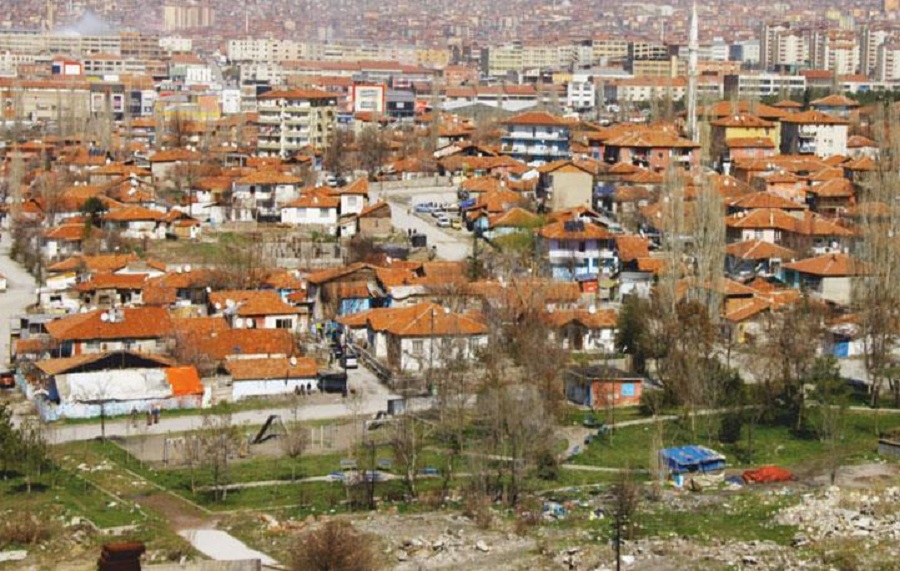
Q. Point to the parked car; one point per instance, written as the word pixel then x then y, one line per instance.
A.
pixel 443 221
pixel 350 360
pixel 424 207
pixel 456 223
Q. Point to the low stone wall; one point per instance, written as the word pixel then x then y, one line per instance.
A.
pixel 204 565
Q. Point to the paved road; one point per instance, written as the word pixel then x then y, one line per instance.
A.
pixel 220 546
pixel 19 293
pixel 371 397
pixel 451 244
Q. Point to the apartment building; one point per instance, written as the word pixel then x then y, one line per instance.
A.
pixel 762 84
pixel 887 63
pixel 813 133
pixel 835 50
pixel 536 137
pixel 290 121
pixel 126 44
pixel 45 100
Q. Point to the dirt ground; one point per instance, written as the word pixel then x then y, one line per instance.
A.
pixel 169 450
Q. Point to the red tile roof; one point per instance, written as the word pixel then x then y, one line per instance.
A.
pixel 272 368
pixel 829 265
pixel 134 323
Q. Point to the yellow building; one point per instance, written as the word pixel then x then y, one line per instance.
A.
pixel 745 127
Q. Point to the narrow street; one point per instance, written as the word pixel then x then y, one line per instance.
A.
pixel 453 245
pixel 19 294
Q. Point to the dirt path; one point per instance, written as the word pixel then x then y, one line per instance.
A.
pixel 180 514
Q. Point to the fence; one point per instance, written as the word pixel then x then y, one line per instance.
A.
pixel 403 384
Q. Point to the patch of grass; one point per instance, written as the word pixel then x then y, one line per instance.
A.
pixel 746 516
pixel 772 443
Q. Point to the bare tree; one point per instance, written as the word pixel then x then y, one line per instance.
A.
pixel 788 355
pixel 626 500
pixel 218 441
pixel 374 149
pixel 407 440
pixel 294 443
pixel 875 293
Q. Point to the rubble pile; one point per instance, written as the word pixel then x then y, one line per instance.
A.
pixel 839 513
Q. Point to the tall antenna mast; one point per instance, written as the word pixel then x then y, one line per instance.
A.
pixel 692 76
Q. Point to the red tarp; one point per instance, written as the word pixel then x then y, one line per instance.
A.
pixel 767 474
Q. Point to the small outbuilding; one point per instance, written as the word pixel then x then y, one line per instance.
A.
pixel 600 387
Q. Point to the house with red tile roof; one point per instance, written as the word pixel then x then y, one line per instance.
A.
pixel 264 192
pixel 577 250
pixel 266 377
pixel 418 338
pixel 257 309
pixel 136 222
pixel 653 149
pixel 800 232
pixel 140 329
pixel 829 277
pixel 755 257
pixel 587 330
pixel 64 240
pixel 316 209
pixel 209 342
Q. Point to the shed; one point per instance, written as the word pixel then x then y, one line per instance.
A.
pixel 691 460
pixel 599 386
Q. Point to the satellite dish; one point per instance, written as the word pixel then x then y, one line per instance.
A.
pixel 592 309
pixel 293 361
pixel 104 317
pixel 187 268
pixel 229 303
pixel 208 289
pixel 239 323
pixel 217 305
pixel 83 309
pixel 250 324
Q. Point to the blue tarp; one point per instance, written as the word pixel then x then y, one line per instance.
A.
pixel 683 459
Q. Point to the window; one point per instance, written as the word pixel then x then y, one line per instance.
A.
pixel 323 213
pixel 418 347
pixel 627 389
pixel 284 324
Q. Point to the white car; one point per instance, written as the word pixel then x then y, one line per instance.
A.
pixel 443 221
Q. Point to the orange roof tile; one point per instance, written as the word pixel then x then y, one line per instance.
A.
pixel 583 231
pixel 599 319
pixel 536 118
pixel 267 177
pixel 251 303
pixel 813 118
pixel 759 250
pixel 133 214
pixel 829 265
pixel 135 323
pixel 184 381
pixel 631 248
pixel 758 200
